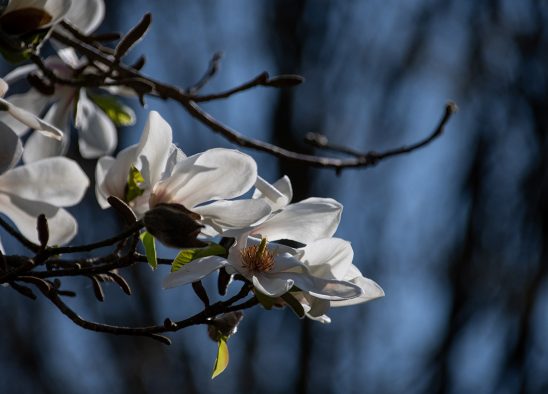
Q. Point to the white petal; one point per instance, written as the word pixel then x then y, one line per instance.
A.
pixel 62 226
pixel 86 15
pixel 33 101
pixel 272 287
pixel 97 134
pixel 154 148
pixel 58 181
pixel 224 214
pixel 371 291
pixel 176 155
pixel 32 121
pixel 269 193
pixel 39 146
pixel 328 289
pixel 215 174
pixel 329 258
pixel 305 221
pixel 101 169
pixel 193 271
pixel 116 179
pixel 11 148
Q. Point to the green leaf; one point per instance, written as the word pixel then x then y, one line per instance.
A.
pixel 185 256
pixel 150 248
pixel 222 358
pixel 134 180
pixel 294 304
pixel 120 114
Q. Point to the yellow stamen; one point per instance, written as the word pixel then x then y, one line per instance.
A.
pixel 257 258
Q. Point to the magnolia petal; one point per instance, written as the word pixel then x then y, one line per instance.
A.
pixel 39 146
pixel 86 15
pixel 271 194
pixel 224 214
pixel 176 155
pixel 32 101
pixel 115 181
pixel 101 169
pixel 328 289
pixel 371 291
pixel 329 258
pixel 11 148
pixel 62 225
pixel 193 271
pixel 31 121
pixel 271 286
pixel 58 181
pixel 97 134
pixel 215 174
pixel 154 148
pixel 305 221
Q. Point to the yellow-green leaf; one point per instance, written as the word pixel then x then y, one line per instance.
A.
pixel 222 358
pixel 134 181
pixel 150 248
pixel 120 114
pixel 185 256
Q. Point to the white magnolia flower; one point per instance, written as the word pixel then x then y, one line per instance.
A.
pixel 322 269
pixel 24 16
pixel 334 262
pixel 96 131
pixel 170 177
pixel 38 188
pixel 272 268
pixel 19 118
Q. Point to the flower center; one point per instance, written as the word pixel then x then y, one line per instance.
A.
pixel 257 258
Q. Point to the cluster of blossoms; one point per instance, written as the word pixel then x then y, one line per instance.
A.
pixel 286 252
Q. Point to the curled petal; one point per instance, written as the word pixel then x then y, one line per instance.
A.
pixel 277 195
pixel 328 289
pixel 371 291
pixel 305 221
pixel 193 271
pixel 58 181
pixel 31 121
pixel 23 213
pixel 271 286
pixel 32 101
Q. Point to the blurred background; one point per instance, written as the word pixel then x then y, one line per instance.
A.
pixel 456 233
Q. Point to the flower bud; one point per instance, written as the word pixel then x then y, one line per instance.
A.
pixel 224 325
pixel 174 225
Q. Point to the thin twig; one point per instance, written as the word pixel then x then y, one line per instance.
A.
pixel 191 105
pixel 211 71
